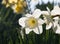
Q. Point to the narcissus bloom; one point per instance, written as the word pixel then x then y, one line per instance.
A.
pixel 55 11
pixel 32 22
pixel 19 7
pixel 9 2
pixel 48 19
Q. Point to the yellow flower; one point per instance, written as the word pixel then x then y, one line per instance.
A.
pixel 19 7
pixel 9 2
pixel 13 2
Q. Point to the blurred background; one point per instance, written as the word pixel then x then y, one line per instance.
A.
pixel 10 29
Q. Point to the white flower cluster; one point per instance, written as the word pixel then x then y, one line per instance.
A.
pixel 33 22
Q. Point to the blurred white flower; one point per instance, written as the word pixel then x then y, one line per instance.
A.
pixel 55 11
pixel 32 22
pixel 48 19
pixel 45 1
pixel 33 4
pixel 40 2
pixel 51 1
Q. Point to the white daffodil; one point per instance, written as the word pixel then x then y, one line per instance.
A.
pixel 55 11
pixel 32 22
pixel 56 25
pixel 48 19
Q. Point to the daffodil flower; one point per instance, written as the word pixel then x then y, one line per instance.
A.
pixel 12 1
pixel 9 2
pixel 48 19
pixel 19 7
pixel 32 22
pixel 57 25
pixel 55 11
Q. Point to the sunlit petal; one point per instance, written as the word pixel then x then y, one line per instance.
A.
pixel 55 11
pixel 40 22
pixel 28 15
pixel 27 30
pixel 48 26
pixel 22 21
pixel 58 30
pixel 36 13
pixel 36 30
pixel 45 13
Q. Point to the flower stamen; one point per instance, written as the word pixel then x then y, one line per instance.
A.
pixel 31 22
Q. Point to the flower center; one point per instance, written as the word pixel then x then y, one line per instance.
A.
pixel 31 22
pixel 48 19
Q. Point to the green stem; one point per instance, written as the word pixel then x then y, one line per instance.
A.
pixel 14 17
pixel 47 37
pixel 6 15
pixel 33 38
pixel 59 39
pixel 20 37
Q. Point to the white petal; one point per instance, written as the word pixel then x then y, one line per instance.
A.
pixel 56 7
pixel 45 13
pixel 27 30
pixel 40 29
pixel 36 30
pixel 56 18
pixel 58 30
pixel 40 21
pixel 55 11
pixel 48 26
pixel 22 21
pixel 36 13
pixel 28 15
pixel 55 23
